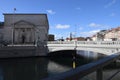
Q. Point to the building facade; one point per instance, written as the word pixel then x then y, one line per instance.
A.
pixel 51 37
pixel 107 35
pixel 76 39
pixel 24 28
pixel 113 34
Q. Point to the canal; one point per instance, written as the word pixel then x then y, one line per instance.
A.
pixel 37 68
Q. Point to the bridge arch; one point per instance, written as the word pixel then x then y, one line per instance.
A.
pixel 105 47
pixel 97 50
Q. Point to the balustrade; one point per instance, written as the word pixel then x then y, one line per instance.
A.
pixel 86 42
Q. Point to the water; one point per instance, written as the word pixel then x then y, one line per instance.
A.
pixel 42 67
pixel 108 71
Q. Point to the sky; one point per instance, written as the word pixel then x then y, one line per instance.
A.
pixel 82 18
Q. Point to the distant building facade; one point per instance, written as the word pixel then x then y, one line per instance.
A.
pixel 113 34
pixel 107 35
pixel 99 36
pixel 88 39
pixel 24 28
pixel 51 37
pixel 76 39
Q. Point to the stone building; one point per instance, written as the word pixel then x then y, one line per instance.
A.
pixel 99 36
pixel 24 28
pixel 107 35
pixel 76 39
pixel 113 34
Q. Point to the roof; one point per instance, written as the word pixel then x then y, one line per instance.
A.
pixel 24 22
pixel 24 14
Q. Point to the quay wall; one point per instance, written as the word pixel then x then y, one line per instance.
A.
pixel 22 51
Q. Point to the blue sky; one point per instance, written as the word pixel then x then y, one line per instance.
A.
pixel 79 17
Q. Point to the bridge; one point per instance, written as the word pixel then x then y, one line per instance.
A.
pixel 105 47
pixel 110 48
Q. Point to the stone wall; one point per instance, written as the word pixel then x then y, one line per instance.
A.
pixel 39 23
pixel 22 51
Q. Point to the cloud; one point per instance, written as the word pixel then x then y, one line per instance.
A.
pixel 50 11
pixel 110 3
pixel 89 33
pixel 60 26
pixel 95 25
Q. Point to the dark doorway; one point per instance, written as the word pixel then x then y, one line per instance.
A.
pixel 23 39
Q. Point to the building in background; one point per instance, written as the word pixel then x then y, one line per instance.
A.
pixel 1 32
pixel 113 34
pixel 107 35
pixel 24 28
pixel 88 39
pixel 76 39
pixel 51 37
pixel 99 36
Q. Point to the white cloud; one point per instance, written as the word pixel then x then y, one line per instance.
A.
pixel 89 33
pixel 60 26
pixel 50 11
pixel 110 3
pixel 94 25
pixel 101 26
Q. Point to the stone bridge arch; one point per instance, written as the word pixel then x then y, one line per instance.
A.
pixel 104 51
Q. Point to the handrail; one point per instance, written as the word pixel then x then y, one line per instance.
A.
pixel 84 70
pixel 86 42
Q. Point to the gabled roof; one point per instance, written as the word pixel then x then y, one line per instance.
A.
pixel 23 22
pixel 24 14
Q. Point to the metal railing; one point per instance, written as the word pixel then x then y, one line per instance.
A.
pixel 80 72
pixel 86 42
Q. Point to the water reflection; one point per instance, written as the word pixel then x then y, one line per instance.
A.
pixel 29 68
pixel 90 54
pixel 41 67
pixel 23 69
pixel 55 68
pixel 108 71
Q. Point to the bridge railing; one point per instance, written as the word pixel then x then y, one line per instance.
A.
pixel 86 42
pixel 61 42
pixel 80 72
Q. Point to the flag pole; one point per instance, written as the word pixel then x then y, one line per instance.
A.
pixel 13 26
